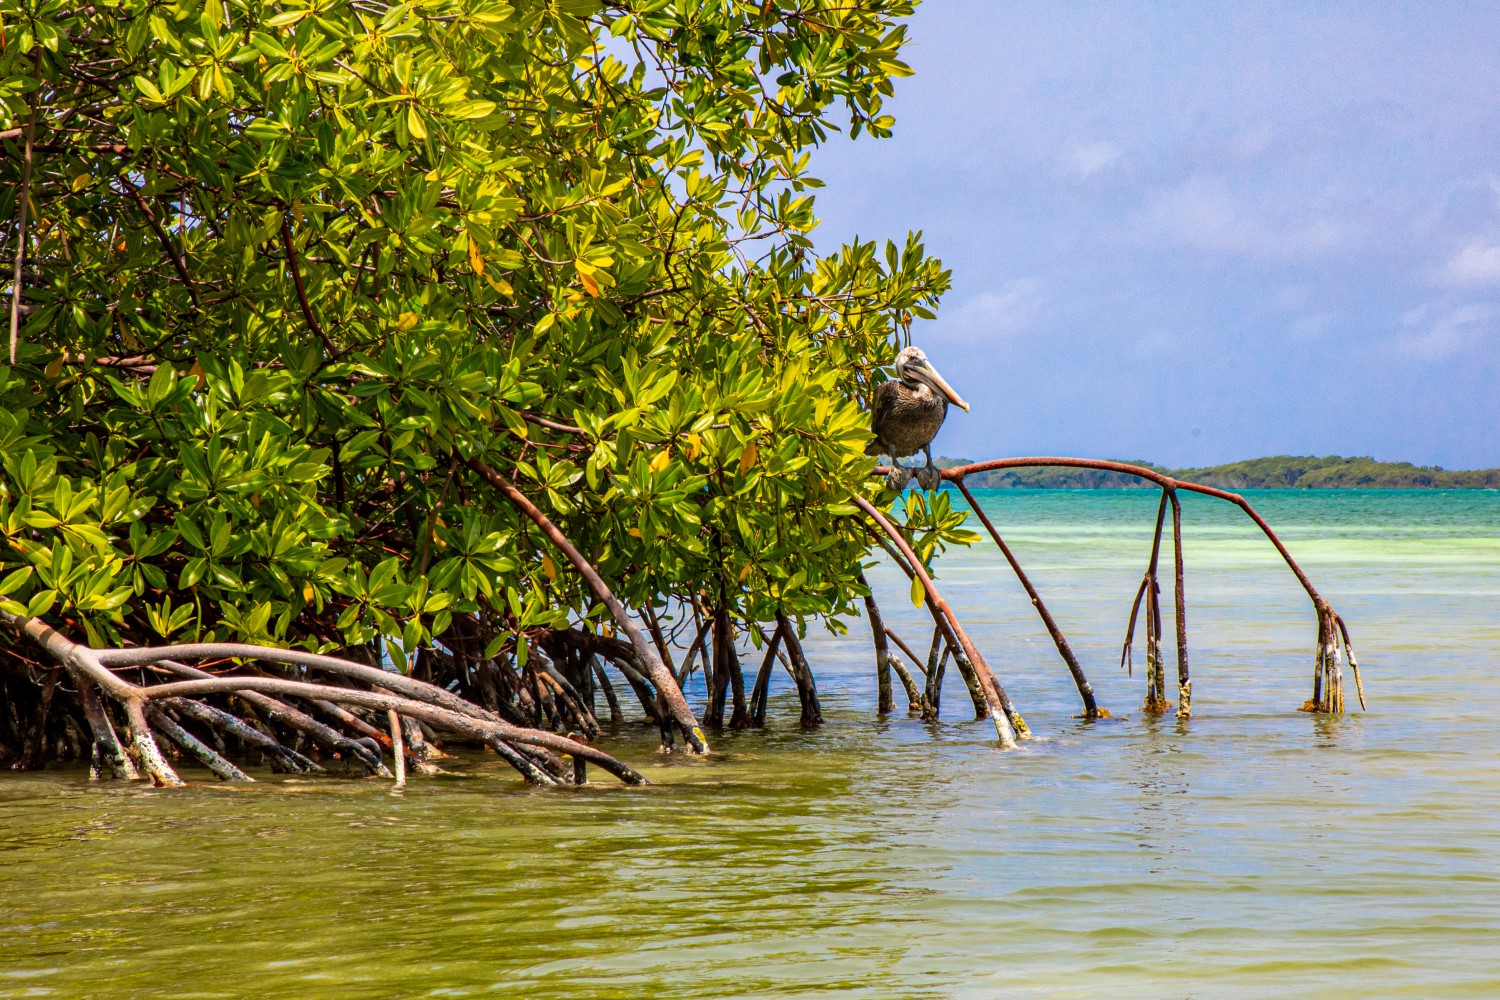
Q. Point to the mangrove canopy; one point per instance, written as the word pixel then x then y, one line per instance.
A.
pixel 458 349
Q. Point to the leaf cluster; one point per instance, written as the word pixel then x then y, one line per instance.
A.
pixel 294 267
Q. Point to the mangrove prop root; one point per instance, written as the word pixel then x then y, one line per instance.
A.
pixel 615 715
pixel 325 736
pixel 1179 609
pixel 1091 709
pixel 979 694
pixel 807 687
pixel 644 692
pixel 661 677
pixel 1150 589
pixel 717 678
pixel 536 754
pixel 1007 721
pixel 1328 671
pixel 762 687
pixel 287 759
pixel 152 762
pixel 1156 671
pixel 933 688
pixel 657 637
pixel 915 699
pixel 885 703
pixel 398 747
pixel 740 718
pixel 106 743
pixel 221 768
pixel 696 649
pixel 1327 661
pixel 1359 687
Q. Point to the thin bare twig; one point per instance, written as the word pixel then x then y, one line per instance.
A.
pixel 15 288
pixel 307 313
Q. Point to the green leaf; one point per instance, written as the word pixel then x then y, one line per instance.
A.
pixel 12 581
pixel 148 90
pixel 162 383
pixel 40 603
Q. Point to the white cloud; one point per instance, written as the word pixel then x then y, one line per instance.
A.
pixel 1437 332
pixel 1476 265
pixel 1204 213
pixel 993 313
pixel 1086 161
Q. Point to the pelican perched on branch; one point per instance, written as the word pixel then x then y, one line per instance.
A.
pixel 906 416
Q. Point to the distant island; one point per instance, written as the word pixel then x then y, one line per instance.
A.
pixel 1303 472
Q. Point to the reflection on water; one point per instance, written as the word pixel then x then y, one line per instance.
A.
pixel 1252 851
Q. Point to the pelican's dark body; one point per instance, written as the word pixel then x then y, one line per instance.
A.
pixel 905 415
pixel 905 418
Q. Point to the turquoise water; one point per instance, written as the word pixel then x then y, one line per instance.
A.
pixel 1252 851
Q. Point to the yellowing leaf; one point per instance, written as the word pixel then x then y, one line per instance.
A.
pixel 744 572
pixel 748 457
pixel 500 285
pixel 918 592
pixel 81 181
pixel 54 367
pixel 660 461
pixel 589 284
pixel 414 122
pixel 634 532
pixel 307 591
pixel 694 446
pixel 197 370
pixel 406 322
pixel 549 567
pixel 476 259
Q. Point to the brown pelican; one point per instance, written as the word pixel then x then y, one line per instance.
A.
pixel 906 416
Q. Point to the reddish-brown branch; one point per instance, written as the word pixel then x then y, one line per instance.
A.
pixel 1184 684
pixel 1147 579
pixel 307 313
pixel 178 262
pixel 1326 615
pixel 1091 709
pixel 885 703
pixel 977 692
pixel 666 684
pixel 957 473
pixel 541 421
pixel 1008 723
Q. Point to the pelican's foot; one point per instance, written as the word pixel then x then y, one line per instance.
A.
pixel 897 478
pixel 929 478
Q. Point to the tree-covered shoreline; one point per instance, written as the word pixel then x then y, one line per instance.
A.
pixel 1303 472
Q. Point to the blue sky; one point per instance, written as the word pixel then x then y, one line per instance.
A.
pixel 1193 233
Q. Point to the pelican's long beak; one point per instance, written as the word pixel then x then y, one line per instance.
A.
pixel 947 390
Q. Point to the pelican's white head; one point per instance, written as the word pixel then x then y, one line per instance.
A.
pixel 913 368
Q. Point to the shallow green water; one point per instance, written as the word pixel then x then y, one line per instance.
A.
pixel 1253 851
